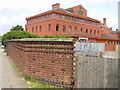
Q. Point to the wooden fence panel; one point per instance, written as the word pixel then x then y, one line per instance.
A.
pixel 119 73
pixel 96 72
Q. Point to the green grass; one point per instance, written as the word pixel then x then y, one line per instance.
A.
pixel 33 83
pixel 14 66
pixel 20 74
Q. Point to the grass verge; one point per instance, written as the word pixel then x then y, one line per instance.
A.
pixel 33 83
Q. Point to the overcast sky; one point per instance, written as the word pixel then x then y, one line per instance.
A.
pixel 14 12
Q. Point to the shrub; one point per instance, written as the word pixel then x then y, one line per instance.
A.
pixel 23 34
pixel 17 35
pixel 57 36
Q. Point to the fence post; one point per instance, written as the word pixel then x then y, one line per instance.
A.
pixel 76 70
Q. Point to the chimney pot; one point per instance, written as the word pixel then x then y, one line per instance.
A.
pixel 55 6
pixel 104 21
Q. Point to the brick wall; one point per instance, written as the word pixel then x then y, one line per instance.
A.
pixel 110 47
pixel 49 60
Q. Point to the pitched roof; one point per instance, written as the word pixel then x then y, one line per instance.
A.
pixel 74 7
pixel 83 34
pixel 70 13
pixel 63 11
pixel 79 33
pixel 108 36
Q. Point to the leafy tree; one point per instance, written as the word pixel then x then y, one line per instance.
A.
pixel 17 35
pixel 22 34
pixel 0 38
pixel 17 28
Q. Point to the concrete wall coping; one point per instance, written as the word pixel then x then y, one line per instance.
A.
pixel 45 39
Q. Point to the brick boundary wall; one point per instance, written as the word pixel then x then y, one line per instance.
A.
pixel 49 60
pixel 110 47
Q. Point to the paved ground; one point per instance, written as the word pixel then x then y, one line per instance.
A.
pixel 0 69
pixel 9 76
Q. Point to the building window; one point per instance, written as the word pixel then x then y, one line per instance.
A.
pixel 80 7
pixel 94 32
pixel 68 17
pixel 74 19
pixel 81 29
pixel 57 27
pixel 80 12
pixel 50 15
pixel 49 27
pixel 32 29
pixel 86 30
pixel 75 28
pixel 57 15
pixel 82 20
pixel 91 31
pixel 40 28
pixel 62 16
pixel 70 28
pixel 85 21
pixel 114 42
pixel 36 29
pixel 98 32
pixel 45 16
pixel 64 27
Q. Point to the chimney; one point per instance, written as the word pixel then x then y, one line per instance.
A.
pixel 55 6
pixel 104 21
pixel 111 28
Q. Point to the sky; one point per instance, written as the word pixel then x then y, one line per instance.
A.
pixel 14 12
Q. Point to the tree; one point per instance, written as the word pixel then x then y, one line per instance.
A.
pixel 17 35
pixel 0 38
pixel 17 28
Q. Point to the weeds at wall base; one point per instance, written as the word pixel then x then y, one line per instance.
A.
pixel 33 83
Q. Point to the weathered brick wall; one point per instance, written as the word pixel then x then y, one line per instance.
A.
pixel 110 47
pixel 48 60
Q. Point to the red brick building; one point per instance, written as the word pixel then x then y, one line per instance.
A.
pixel 73 22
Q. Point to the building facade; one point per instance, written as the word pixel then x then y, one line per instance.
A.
pixel 73 22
